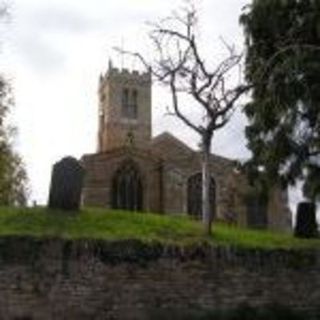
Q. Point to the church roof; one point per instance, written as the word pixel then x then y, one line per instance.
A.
pixel 168 142
pixel 168 136
pixel 168 146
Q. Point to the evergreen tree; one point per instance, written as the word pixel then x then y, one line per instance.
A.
pixel 283 66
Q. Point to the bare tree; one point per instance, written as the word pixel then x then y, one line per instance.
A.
pixel 179 65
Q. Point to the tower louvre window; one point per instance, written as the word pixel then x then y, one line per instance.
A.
pixel 129 103
pixel 125 101
pixel 135 102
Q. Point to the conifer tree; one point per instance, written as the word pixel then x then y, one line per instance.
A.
pixel 283 67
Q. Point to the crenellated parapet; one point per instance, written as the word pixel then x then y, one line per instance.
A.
pixel 125 77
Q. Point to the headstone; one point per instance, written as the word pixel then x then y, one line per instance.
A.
pixel 66 184
pixel 306 224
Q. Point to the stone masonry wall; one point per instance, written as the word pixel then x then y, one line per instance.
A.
pixel 114 127
pixel 101 169
pixel 82 279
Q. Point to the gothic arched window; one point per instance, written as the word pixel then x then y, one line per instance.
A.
pixel 127 191
pixel 195 195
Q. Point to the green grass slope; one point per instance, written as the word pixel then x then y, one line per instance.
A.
pixel 117 225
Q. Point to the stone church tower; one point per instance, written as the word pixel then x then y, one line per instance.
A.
pixel 124 109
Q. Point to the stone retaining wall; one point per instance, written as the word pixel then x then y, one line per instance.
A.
pixel 82 279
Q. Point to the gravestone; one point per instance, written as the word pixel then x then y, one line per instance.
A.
pixel 306 224
pixel 66 184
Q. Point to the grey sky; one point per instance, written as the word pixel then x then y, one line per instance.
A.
pixel 53 52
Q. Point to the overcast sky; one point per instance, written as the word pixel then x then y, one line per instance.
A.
pixel 53 52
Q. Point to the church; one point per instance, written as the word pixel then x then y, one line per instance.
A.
pixel 132 170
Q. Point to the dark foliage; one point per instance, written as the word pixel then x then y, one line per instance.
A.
pixel 283 66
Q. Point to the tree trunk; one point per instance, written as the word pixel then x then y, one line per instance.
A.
pixel 206 210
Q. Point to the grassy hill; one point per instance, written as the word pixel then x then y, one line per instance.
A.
pixel 117 225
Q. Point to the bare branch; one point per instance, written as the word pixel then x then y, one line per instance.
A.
pixel 180 66
pixel 177 108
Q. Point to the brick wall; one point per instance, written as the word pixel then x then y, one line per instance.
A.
pixel 60 279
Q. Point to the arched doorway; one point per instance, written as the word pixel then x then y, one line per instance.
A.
pixel 127 191
pixel 195 196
